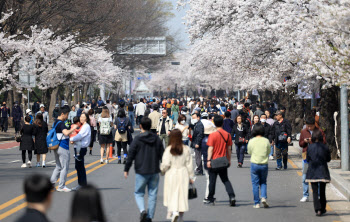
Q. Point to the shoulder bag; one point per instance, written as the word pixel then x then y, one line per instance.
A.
pixel 221 162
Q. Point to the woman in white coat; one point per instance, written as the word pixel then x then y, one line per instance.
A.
pixel 178 169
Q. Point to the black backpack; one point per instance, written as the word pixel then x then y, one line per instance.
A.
pixel 122 126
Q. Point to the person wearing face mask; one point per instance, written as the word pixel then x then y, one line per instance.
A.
pixel 197 137
pixel 183 127
pixel 4 115
pixel 165 125
pixel 17 117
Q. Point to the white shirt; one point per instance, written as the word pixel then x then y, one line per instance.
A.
pixel 84 136
pixel 140 109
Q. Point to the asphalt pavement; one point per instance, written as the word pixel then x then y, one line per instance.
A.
pixel 284 193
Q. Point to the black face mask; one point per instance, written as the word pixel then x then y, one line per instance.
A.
pixel 3 104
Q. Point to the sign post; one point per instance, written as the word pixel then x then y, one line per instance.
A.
pixel 26 75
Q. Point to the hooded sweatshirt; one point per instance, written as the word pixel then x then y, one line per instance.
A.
pixel 147 151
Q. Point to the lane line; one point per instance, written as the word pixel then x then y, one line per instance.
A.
pixel 328 208
pixel 23 205
pixel 15 161
pixel 16 199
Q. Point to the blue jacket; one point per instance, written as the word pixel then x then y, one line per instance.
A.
pixel 17 113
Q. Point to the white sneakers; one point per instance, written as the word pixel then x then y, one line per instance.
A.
pixel 271 158
pixel 44 164
pixel 64 189
pixel 175 217
pixel 76 188
pixel 106 161
pixel 29 164
pixel 256 206
pixel 101 161
pixel 24 165
pixel 264 203
pixel 304 199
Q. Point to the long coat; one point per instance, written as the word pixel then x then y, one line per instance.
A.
pixel 40 133
pixel 318 155
pixel 178 171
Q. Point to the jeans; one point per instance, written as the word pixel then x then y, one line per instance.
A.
pixel 240 149
pixel 224 178
pixel 151 181
pixel 164 137
pixel 62 157
pixel 185 142
pixel 282 151
pixel 271 154
pixel 258 173
pixel 80 167
pixel 132 118
pixel 305 184
pixel 319 189
pixel 4 124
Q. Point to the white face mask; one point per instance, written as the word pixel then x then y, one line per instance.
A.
pixel 183 122
pixel 194 121
pixel 263 120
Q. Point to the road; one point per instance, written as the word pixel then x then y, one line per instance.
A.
pixel 284 193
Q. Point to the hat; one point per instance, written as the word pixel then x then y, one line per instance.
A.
pixel 279 112
pixel 28 111
pixel 204 114
pixel 42 105
pixel 239 106
pixel 57 106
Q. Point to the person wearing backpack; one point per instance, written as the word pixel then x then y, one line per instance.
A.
pixel 105 138
pixel 62 154
pixel 122 125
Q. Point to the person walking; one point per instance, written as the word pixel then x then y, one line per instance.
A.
pixel 38 195
pixel 40 132
pixel 4 117
pixel 62 154
pixel 240 133
pixel 106 139
pixel 140 111
pixel 87 206
pixel 93 129
pixel 178 169
pixel 181 125
pixel 84 137
pixel 282 136
pixel 122 125
pixel 305 141
pixel 155 117
pixel 220 144
pixel 234 112
pixel 17 117
pixel 147 151
pixel 165 125
pixel 44 113
pixel 55 112
pixel 131 113
pixel 318 154
pixel 27 143
pixel 228 122
pixel 196 144
pixel 259 149
pixel 175 112
pixel 258 111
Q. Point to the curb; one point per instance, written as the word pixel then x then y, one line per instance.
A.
pixel 340 183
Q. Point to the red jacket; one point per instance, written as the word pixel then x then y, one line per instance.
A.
pixel 305 133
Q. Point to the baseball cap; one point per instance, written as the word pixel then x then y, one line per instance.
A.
pixel 28 111
pixel 278 112
pixel 42 105
pixel 57 105
pixel 239 106
pixel 204 114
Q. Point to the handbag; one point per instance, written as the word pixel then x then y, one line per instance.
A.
pixel 192 192
pixel 18 138
pixel 221 162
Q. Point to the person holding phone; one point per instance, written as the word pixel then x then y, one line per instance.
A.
pixel 304 142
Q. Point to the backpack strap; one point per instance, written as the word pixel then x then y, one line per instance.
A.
pixel 224 138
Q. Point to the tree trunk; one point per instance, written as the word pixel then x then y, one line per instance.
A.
pixel 84 94
pixel 328 105
pixel 53 102
pixel 68 95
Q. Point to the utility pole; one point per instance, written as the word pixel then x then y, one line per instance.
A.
pixel 344 128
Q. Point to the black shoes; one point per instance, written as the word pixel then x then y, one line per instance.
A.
pixel 239 165
pixel 124 162
pixel 143 217
pixel 119 161
pixel 232 201
pixel 199 173
pixel 209 202
pixel 278 168
pixel 90 152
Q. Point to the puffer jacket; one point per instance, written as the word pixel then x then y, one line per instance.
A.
pixel 198 134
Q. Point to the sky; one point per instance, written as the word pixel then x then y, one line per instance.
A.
pixel 176 25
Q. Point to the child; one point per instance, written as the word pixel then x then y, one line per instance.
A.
pixel 77 145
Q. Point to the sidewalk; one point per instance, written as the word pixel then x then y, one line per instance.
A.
pixel 8 136
pixel 338 191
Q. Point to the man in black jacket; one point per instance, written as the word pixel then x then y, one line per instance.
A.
pixel 147 151
pixel 38 191
pixel 197 137
pixel 282 137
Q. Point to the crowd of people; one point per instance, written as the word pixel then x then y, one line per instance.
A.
pixel 173 131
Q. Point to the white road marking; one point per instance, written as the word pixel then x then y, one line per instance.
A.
pixel 53 162
pixel 15 161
